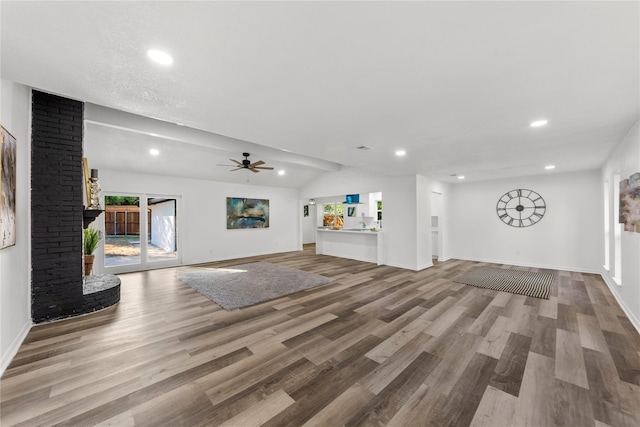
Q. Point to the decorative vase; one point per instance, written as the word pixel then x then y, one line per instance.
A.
pixel 88 264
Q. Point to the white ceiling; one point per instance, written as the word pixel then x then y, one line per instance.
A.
pixel 456 84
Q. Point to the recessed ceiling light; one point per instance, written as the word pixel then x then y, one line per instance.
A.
pixel 160 57
pixel 400 153
pixel 538 123
pixel 281 172
pixel 549 167
pixel 154 152
pixel 461 177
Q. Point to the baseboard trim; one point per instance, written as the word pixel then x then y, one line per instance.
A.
pixel 524 264
pixel 613 287
pixel 425 266
pixel 13 348
pixel 238 257
pixel 409 267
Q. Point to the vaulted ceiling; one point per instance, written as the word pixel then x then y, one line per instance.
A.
pixel 455 84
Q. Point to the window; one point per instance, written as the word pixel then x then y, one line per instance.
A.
pixel 607 236
pixel 617 232
pixel 333 215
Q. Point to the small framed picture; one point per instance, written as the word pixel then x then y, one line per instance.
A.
pixel 305 210
pixel 351 211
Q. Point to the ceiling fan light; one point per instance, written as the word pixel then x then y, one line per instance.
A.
pixel 254 167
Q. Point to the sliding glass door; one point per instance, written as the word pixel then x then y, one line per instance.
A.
pixel 141 232
pixel 121 230
pixel 162 239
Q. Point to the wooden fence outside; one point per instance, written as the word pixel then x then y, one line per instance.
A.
pixel 124 221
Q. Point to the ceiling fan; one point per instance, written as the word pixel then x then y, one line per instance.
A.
pixel 246 164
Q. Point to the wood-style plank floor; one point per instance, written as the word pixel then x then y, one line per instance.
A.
pixel 378 346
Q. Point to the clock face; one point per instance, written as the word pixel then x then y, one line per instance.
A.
pixel 521 208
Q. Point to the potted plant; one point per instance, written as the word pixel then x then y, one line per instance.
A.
pixel 91 239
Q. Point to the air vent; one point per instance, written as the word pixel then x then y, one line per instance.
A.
pixel 363 147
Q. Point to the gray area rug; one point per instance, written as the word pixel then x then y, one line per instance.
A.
pixel 248 284
pixel 529 283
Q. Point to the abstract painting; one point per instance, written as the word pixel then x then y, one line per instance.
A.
pixel 305 210
pixel 247 213
pixel 8 187
pixel 630 203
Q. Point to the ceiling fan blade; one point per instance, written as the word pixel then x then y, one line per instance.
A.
pixel 263 168
pixel 253 170
pixel 258 163
pixel 237 162
pixel 231 166
pixel 236 169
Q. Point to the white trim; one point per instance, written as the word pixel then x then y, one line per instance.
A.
pixel 425 266
pixel 13 348
pixel 613 287
pixel 403 266
pixel 524 264
pixel 238 257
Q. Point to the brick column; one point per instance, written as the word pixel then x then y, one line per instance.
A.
pixel 56 207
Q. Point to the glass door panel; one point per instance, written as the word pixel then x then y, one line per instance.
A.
pixel 162 241
pixel 122 230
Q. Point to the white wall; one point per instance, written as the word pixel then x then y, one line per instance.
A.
pixel 566 238
pixel 163 225
pixel 625 160
pixel 406 209
pixel 204 236
pixel 15 261
pixel 309 223
pixel 424 251
pixel 436 213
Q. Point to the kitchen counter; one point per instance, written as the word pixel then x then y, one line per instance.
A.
pixel 362 245
pixel 348 230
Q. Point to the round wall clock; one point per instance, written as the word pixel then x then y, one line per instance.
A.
pixel 521 208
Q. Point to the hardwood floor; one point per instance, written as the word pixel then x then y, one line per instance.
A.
pixel 379 346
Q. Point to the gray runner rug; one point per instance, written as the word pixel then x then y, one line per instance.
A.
pixel 529 283
pixel 248 284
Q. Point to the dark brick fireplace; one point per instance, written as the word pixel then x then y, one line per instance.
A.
pixel 57 211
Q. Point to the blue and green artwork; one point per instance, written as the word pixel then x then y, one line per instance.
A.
pixel 247 213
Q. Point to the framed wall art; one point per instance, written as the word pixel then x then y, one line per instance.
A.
pixel 247 213
pixel 8 187
pixel 630 203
